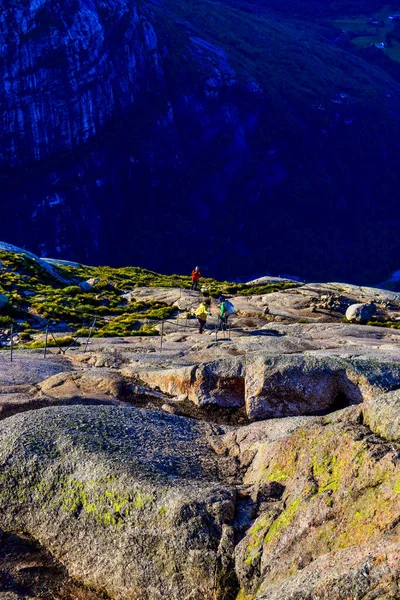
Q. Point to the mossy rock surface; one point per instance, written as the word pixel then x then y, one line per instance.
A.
pixel 341 513
pixel 130 501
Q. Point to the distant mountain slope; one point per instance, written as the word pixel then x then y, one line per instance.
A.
pixel 315 8
pixel 200 132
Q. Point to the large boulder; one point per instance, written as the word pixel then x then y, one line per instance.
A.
pixel 271 385
pixel 94 382
pixel 280 386
pixel 130 501
pixel 336 533
pixel 174 381
pixel 92 386
pixel 88 285
pixel 360 313
pixel 218 382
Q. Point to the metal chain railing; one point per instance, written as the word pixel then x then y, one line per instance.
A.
pixel 218 326
pixel 46 349
pixel 189 323
pixel 218 329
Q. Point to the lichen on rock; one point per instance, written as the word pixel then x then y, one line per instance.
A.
pixel 339 496
pixel 142 490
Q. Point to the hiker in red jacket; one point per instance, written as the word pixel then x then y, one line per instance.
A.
pixel 195 278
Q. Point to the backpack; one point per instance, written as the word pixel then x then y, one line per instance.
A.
pixel 229 308
pixel 202 311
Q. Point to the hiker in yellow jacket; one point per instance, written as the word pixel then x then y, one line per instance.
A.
pixel 202 312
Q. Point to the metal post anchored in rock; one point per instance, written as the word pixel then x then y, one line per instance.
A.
pixel 90 333
pixel 12 343
pixel 45 341
pixel 162 335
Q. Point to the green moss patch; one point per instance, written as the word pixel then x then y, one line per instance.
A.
pixel 335 483
pixel 100 500
pixel 38 298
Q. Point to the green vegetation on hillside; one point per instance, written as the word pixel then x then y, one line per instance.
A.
pixel 38 298
pixel 275 51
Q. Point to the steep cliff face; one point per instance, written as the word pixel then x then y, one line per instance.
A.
pixel 166 133
pixel 66 68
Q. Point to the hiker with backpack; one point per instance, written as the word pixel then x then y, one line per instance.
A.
pixel 202 313
pixel 226 309
pixel 195 278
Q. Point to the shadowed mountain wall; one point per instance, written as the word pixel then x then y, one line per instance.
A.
pixel 169 134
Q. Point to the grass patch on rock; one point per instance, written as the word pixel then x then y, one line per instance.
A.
pixel 389 324
pixel 59 299
pixel 59 342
